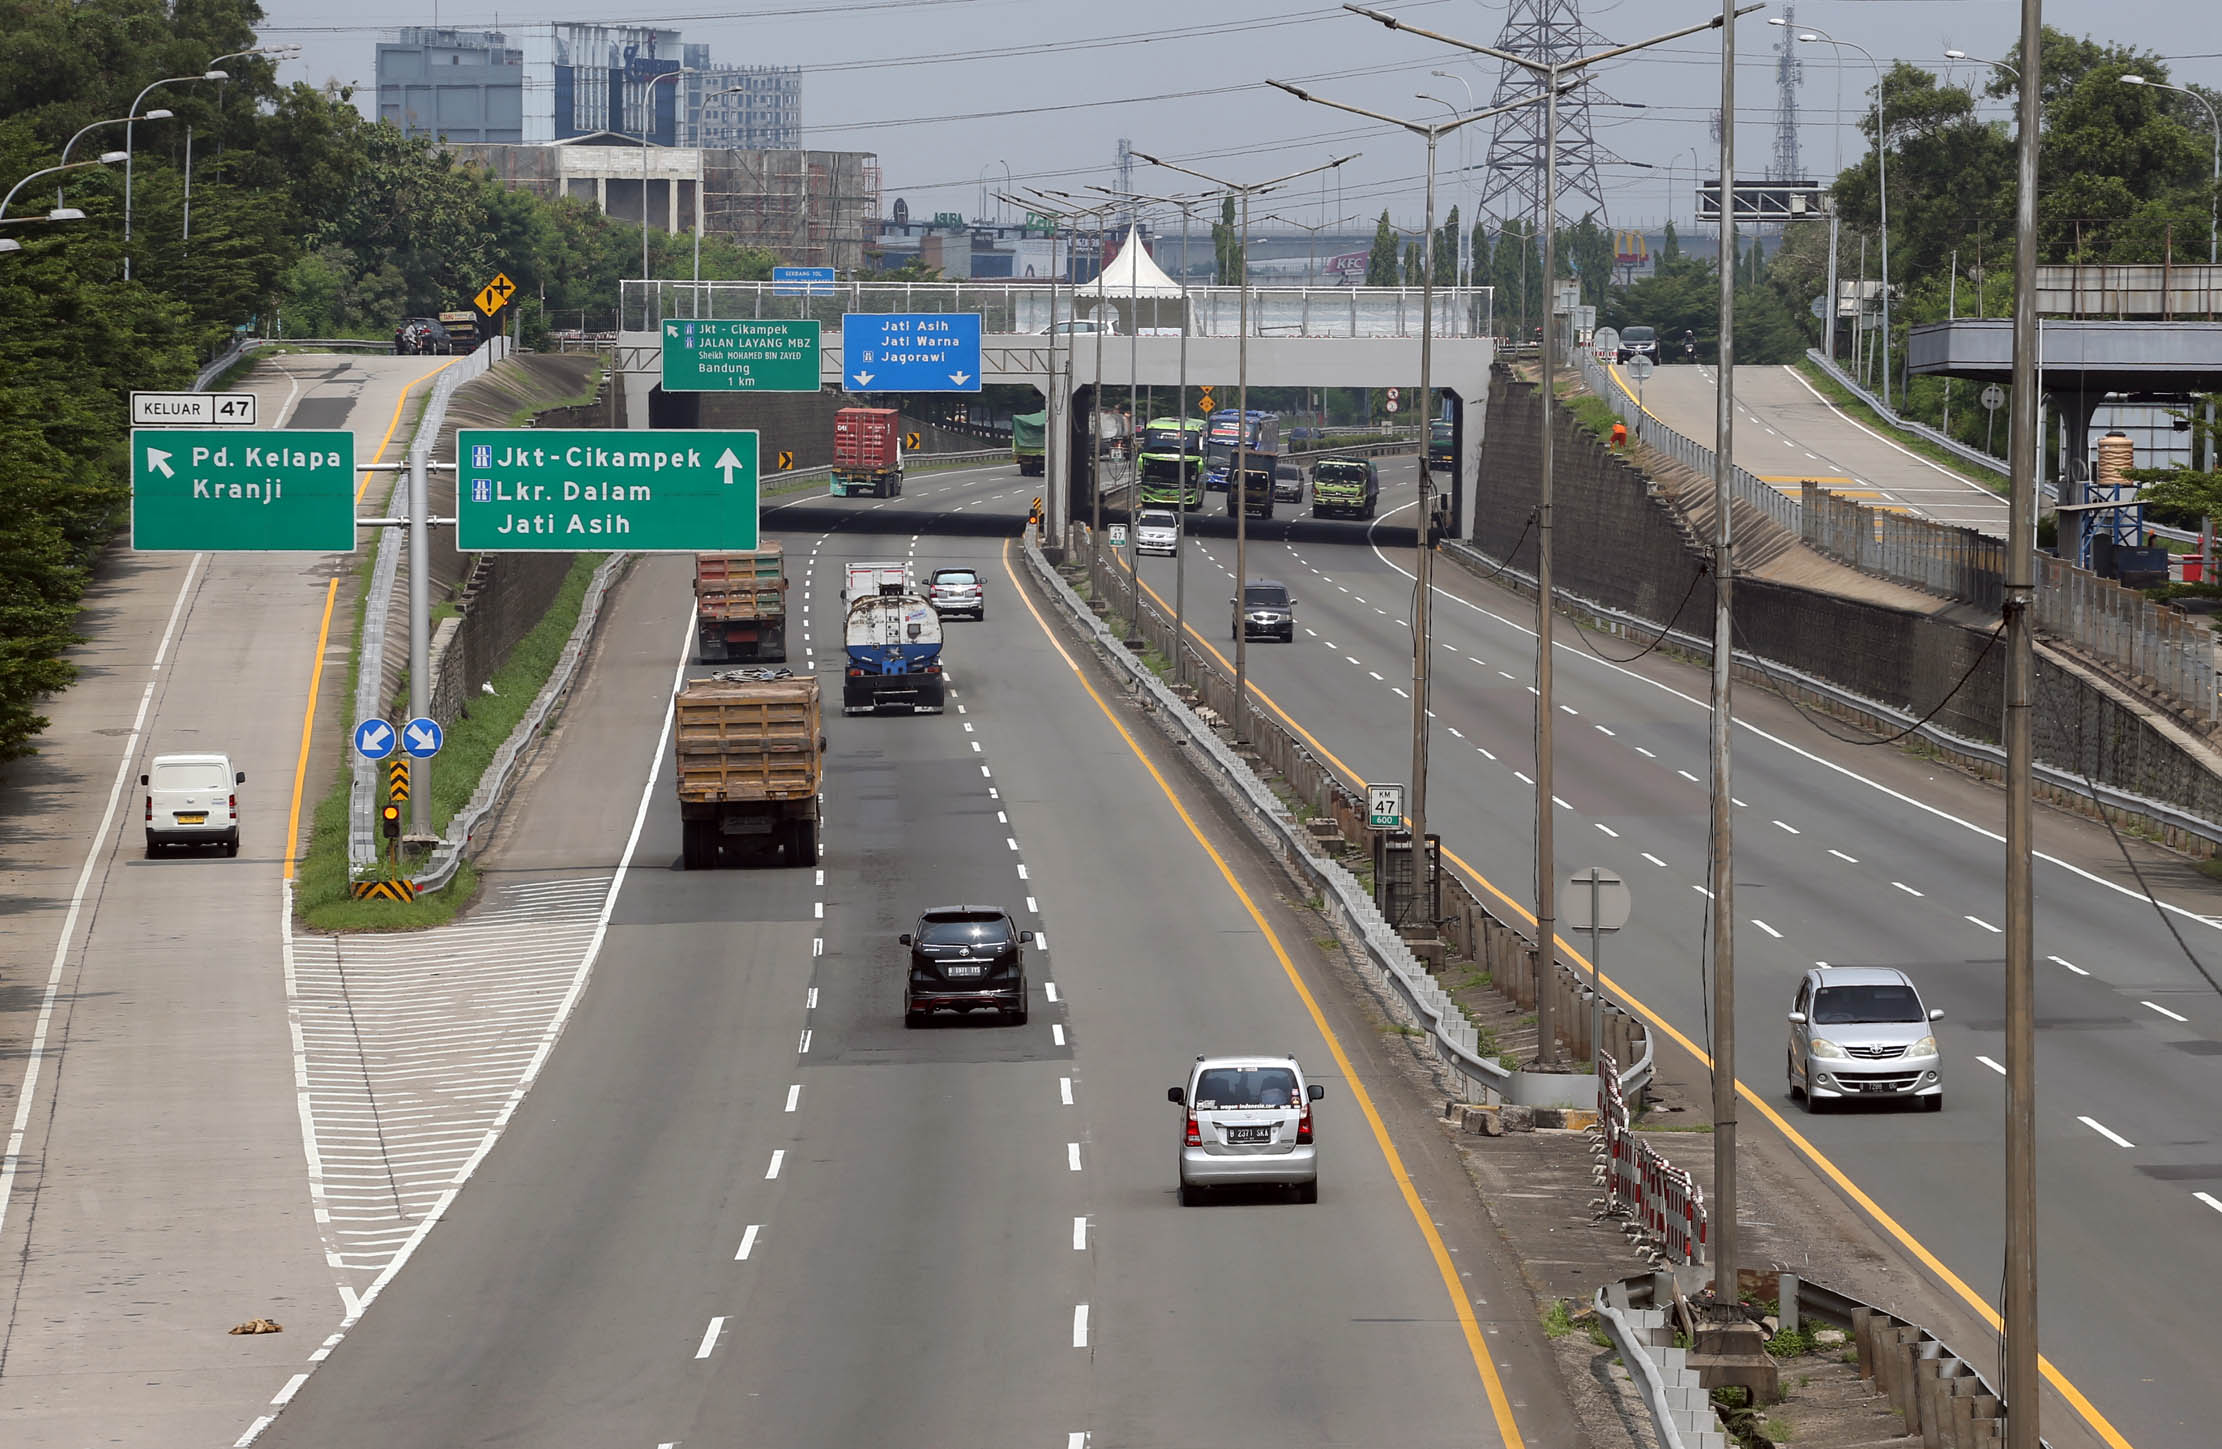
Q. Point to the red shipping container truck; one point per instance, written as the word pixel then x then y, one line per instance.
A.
pixel 867 453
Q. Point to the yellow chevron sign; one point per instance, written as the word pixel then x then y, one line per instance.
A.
pixel 385 890
pixel 397 779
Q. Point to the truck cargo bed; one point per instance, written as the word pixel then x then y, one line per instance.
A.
pixel 747 740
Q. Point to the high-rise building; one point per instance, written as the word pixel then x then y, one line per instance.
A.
pixel 460 85
pixel 585 79
pixel 740 107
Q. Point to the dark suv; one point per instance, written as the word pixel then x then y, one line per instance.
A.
pixel 1267 611
pixel 965 958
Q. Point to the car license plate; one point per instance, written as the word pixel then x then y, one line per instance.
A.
pixel 1249 1134
pixel 195 817
pixel 962 971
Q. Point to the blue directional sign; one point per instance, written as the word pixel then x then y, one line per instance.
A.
pixel 374 739
pixel 421 738
pixel 910 352
pixel 802 281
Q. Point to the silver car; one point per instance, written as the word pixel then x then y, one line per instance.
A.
pixel 1156 531
pixel 1247 1122
pixel 957 591
pixel 1862 1031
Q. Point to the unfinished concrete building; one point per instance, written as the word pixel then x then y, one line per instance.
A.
pixel 808 208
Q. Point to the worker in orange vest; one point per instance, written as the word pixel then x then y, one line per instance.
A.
pixel 1619 436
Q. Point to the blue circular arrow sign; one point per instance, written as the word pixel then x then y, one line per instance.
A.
pixel 374 739
pixel 420 738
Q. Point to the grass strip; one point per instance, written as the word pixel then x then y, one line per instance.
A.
pixel 322 895
pixel 1838 394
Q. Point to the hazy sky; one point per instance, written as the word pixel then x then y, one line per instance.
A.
pixel 1184 81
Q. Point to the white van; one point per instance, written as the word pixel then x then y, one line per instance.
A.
pixel 192 800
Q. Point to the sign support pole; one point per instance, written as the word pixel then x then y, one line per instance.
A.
pixel 420 634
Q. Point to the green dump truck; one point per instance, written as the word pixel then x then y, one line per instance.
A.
pixel 1029 434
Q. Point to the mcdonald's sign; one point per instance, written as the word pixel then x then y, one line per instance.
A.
pixel 1630 248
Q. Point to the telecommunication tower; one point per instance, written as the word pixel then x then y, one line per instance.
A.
pixel 1788 72
pixel 1548 30
pixel 1126 168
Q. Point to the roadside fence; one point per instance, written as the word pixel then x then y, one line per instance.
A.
pixel 1652 433
pixel 1663 1207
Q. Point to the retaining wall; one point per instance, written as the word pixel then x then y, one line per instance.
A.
pixel 1618 543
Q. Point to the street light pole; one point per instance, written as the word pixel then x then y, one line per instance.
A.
pixel 647 114
pixel 1238 480
pixel 106 158
pixel 157 114
pixel 2214 202
pixel 132 115
pixel 1882 184
pixel 1726 1245
pixel 1553 76
pixel 1423 562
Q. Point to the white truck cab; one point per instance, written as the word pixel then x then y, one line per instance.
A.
pixel 192 800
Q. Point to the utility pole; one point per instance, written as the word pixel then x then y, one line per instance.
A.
pixel 1238 479
pixel 1553 76
pixel 1725 1245
pixel 2020 1280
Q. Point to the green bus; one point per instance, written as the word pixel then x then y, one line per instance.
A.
pixel 1170 464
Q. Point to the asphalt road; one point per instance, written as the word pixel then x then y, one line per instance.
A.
pixel 1849 855
pixel 744 1205
pixel 1786 432
pixel 152 1194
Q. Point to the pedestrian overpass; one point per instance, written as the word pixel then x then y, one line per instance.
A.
pixel 1364 337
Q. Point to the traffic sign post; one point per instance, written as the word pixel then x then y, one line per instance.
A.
pixel 495 295
pixel 802 281
pixel 564 491
pixel 1118 535
pixel 222 490
pixel 1639 368
pixel 910 352
pixel 1994 397
pixel 421 738
pixel 192 409
pixel 757 354
pixel 1384 806
pixel 1596 901
pixel 374 739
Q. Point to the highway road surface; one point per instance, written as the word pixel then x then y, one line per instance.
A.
pixel 744 1206
pixel 1786 432
pixel 1847 854
pixel 151 1195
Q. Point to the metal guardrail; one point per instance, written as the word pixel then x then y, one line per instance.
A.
pixel 2162 813
pixel 1652 433
pixel 1683 1418
pixel 362 841
pixel 440 870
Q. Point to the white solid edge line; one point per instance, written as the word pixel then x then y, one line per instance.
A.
pixel 2210 1200
pixel 710 1337
pixel 1968 483
pixel 27 1092
pixel 1591 661
pixel 2164 1011
pixel 551 1033
pixel 1994 1066
pixel 2105 1131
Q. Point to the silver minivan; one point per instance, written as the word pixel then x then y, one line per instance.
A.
pixel 192 800
pixel 1247 1122
pixel 1862 1031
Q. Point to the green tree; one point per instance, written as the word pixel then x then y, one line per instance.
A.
pixel 1226 245
pixel 1446 251
pixel 2194 489
pixel 1381 262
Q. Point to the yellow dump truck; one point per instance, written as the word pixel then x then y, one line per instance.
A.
pixel 751 756
pixel 740 605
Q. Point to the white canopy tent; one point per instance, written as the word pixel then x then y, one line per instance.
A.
pixel 1135 278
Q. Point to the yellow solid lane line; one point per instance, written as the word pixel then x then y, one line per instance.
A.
pixel 308 731
pixel 1476 1345
pixel 2090 1412
pixel 395 420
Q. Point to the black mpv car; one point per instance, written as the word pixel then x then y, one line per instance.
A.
pixel 965 958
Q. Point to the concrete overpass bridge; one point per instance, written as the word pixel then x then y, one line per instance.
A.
pixel 1298 337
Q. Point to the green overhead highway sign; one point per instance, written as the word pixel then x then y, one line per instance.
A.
pixel 764 354
pixel 547 490
pixel 234 490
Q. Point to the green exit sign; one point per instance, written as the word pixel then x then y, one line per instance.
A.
pixel 657 490
pixel 239 490
pixel 764 354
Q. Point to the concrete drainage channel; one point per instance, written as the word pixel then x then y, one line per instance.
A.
pixel 1907 1385
pixel 1419 1000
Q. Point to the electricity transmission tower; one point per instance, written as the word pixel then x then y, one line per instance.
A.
pixel 1548 30
pixel 1788 72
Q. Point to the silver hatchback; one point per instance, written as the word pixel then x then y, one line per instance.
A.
pixel 1862 1031
pixel 1247 1122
